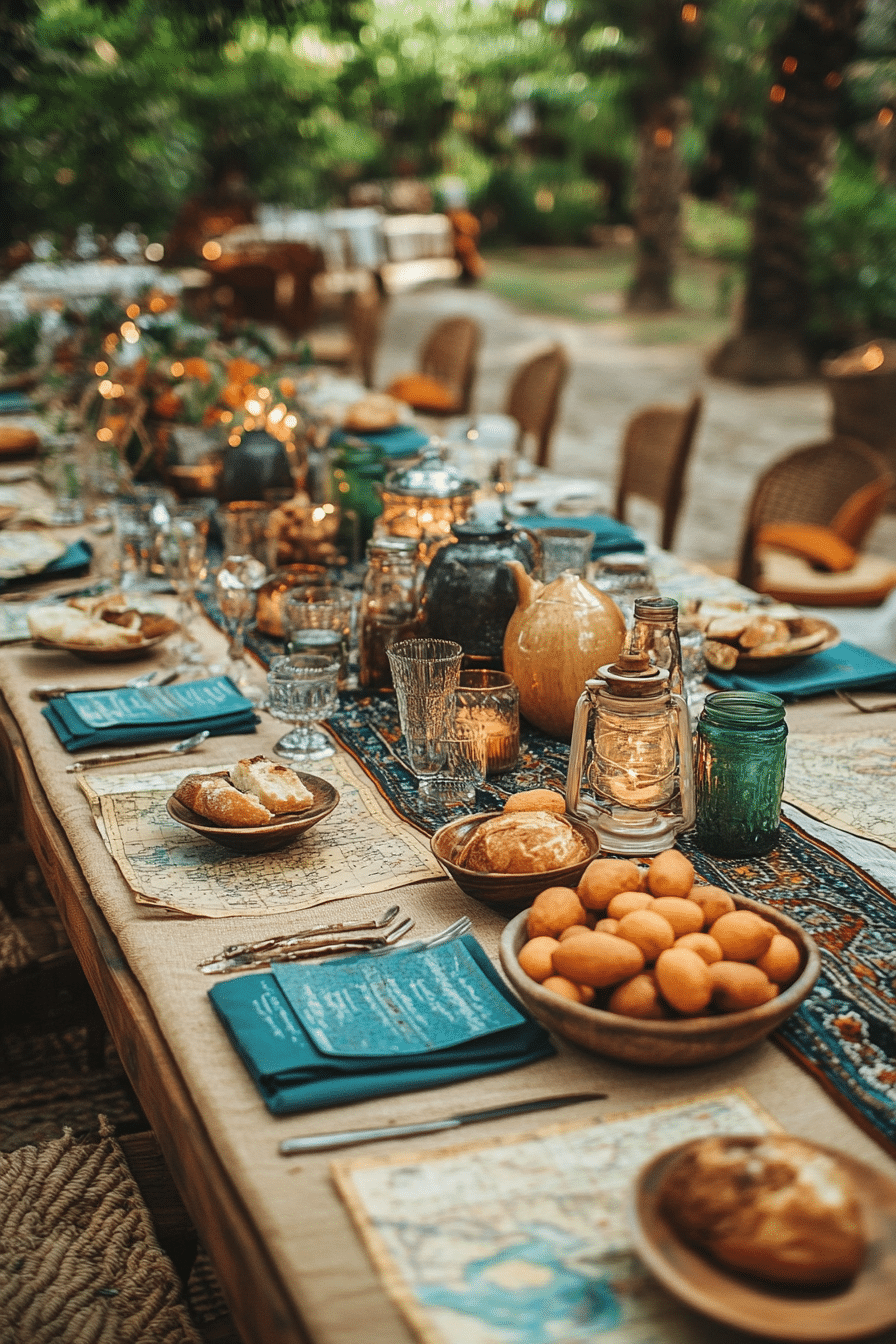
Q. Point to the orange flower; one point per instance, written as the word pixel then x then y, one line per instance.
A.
pixel 212 416
pixel 287 387
pixel 197 368
pixel 233 395
pixel 241 370
pixel 168 406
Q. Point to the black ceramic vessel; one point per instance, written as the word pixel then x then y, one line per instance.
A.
pixel 469 594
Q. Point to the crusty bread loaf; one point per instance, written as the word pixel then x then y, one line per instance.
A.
pixel 536 800
pixel 275 786
pixel 523 842
pixel 771 1206
pixel 215 798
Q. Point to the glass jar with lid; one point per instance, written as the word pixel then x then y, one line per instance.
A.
pixel 655 634
pixel 390 605
pixel 741 755
pixel 423 500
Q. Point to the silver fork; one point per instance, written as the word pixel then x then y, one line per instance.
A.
pixel 455 930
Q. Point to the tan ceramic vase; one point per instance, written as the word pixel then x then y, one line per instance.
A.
pixel 558 637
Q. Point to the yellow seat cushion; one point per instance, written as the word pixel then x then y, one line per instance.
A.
pixel 790 578
pixel 855 519
pixel 822 547
pixel 14 441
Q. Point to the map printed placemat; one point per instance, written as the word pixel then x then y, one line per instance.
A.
pixel 360 848
pixel 847 781
pixel 526 1241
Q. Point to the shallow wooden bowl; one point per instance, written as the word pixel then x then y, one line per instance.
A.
pixel 261 839
pixel 861 1307
pixel 122 653
pixel 507 892
pixel 674 1044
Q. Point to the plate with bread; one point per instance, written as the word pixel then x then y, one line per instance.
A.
pixel 258 806
pixel 107 629
pixel 771 1234
pixel 742 638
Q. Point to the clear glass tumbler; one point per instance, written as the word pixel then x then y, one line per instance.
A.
pixel 302 688
pixel 425 674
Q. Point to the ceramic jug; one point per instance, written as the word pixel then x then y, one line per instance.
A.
pixel 469 592
pixel 558 636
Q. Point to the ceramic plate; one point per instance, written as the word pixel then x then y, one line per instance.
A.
pixel 826 634
pixel 260 839
pixel 91 654
pixel 863 1307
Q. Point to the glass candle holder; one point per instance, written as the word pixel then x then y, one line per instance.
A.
pixel 741 755
pixel 488 704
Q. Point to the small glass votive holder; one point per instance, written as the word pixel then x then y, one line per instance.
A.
pixel 461 774
pixel 244 528
pixel 487 703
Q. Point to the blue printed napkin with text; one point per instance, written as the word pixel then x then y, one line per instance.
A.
pixel 334 1033
pixel 149 714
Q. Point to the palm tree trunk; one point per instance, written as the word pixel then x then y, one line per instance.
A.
pixel 659 178
pixel 794 162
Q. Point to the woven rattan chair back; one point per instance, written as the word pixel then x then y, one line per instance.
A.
pixel 655 451
pixel 533 399
pixel 810 485
pixel 862 388
pixel 449 354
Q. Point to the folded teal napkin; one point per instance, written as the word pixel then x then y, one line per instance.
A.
pixel 609 534
pixel 845 667
pixel 399 441
pixel 341 1047
pixel 13 403
pixel 149 714
pixel 76 560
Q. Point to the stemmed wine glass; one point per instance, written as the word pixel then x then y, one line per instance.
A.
pixel 302 688
pixel 181 546
pixel 236 590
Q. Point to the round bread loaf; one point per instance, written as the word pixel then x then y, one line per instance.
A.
pixel 771 1206
pixel 523 842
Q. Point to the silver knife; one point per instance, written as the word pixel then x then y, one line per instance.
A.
pixel 321 1143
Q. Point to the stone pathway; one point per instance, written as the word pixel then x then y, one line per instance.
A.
pixel 742 431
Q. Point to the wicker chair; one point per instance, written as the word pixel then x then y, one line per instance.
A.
pixel 449 355
pixel 354 347
pixel 838 484
pixel 862 387
pixel 655 451
pixel 533 399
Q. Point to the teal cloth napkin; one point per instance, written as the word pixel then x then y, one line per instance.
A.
pixel 293 1074
pixel 149 714
pixel 399 441
pixel 13 403
pixel 76 560
pixel 845 667
pixel 609 534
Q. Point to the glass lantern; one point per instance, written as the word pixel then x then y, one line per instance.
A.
pixel 640 758
pixel 422 501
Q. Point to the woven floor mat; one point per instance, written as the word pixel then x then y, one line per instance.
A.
pixel 79 1261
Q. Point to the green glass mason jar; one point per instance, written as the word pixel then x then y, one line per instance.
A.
pixel 741 754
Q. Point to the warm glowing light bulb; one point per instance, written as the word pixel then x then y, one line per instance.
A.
pixel 291 421
pixel 117 390
pixel 689 13
pixel 226 417
pixel 100 368
pixel 211 251
pixel 789 64
pixel 234 440
pixel 104 435
pixel 885 116
pixel 177 369
pixel 873 357
pixel 105 388
pixel 154 252
pixel 777 93
pixel 253 407
pixel 133 310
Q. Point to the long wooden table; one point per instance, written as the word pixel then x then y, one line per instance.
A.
pixel 290 1263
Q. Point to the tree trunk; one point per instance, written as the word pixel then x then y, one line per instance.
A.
pixel 659 178
pixel 794 160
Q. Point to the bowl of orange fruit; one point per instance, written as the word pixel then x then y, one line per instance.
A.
pixel 642 963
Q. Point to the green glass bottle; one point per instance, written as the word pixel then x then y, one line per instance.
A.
pixel 741 754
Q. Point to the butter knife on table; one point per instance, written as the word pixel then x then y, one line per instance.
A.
pixel 346 1138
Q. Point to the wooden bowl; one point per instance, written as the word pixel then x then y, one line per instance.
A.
pixel 261 839
pixel 507 892
pixel 672 1044
pixel 864 1306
